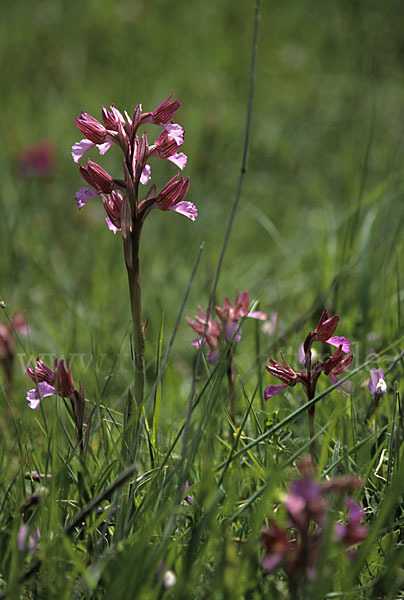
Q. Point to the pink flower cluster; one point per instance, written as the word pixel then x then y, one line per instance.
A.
pixel 123 130
pixel 219 333
pixel 308 377
pixel 297 548
pixel 58 380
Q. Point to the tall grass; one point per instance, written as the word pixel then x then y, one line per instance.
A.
pixel 314 220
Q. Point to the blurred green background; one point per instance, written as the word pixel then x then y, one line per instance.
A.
pixel 320 216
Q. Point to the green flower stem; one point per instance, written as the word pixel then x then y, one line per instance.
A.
pixel 131 230
pixel 135 292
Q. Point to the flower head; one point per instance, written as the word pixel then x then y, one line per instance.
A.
pixel 324 333
pixel 112 204
pixel 65 380
pixel 167 144
pixel 58 380
pixel 123 130
pixel 305 501
pixel 283 372
pixel 377 383
pixel 353 531
pixel 212 334
pixel 113 119
pixel 227 329
pixel 231 315
pixel 188 497
pixel 308 377
pixel 278 546
pixel 297 549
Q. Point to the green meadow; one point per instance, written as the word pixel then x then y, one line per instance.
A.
pixel 314 220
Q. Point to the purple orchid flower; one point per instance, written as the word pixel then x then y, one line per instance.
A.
pixel 297 548
pixel 227 329
pixel 308 376
pixel 377 383
pixel 121 129
pixel 59 381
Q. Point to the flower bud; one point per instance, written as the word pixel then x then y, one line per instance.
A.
pixel 65 380
pixel 91 128
pixel 41 373
pixel 97 177
pixel 326 326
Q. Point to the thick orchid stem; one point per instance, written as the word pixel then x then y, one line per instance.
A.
pixel 311 392
pixel 131 250
pixel 310 413
pixel 135 292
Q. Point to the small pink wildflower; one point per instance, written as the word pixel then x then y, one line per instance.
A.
pixel 377 383
pixel 297 548
pixel 227 329
pixel 212 334
pixel 231 315
pixel 49 382
pixel 58 381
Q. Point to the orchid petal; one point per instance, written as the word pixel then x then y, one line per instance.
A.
pixel 146 174
pixel 302 356
pixel 271 390
pixel 212 357
pixel 355 511
pixel 270 562
pixel 103 148
pixel 111 226
pixel 196 342
pixel 258 315
pixel 83 195
pixel 339 341
pixel 345 388
pixel 179 159
pixel 377 383
pixel 176 132
pixel 80 148
pixel 22 536
pixel 231 328
pixel 185 208
pixel 35 395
